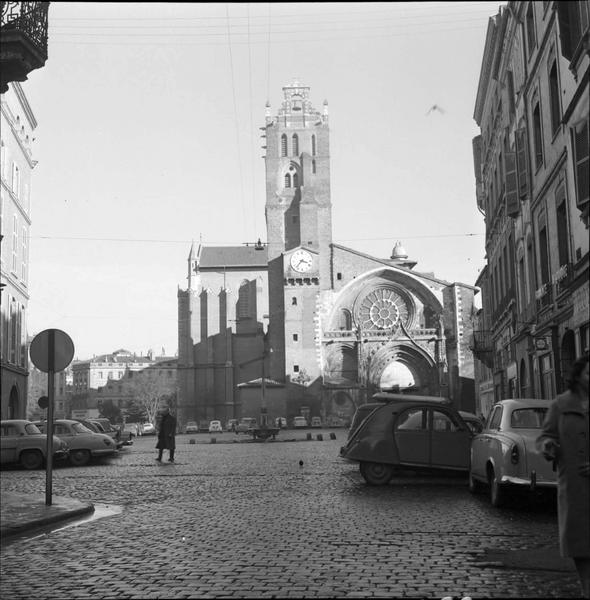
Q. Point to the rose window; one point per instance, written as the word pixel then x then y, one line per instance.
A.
pixel 383 308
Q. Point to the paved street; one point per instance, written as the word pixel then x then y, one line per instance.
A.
pixel 246 520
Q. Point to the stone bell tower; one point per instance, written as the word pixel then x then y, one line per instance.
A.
pixel 299 228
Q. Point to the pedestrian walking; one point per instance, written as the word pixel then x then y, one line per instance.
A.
pixel 564 440
pixel 166 434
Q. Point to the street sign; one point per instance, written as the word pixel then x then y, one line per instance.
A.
pixel 52 350
pixel 43 402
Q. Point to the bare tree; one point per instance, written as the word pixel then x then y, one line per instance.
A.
pixel 151 390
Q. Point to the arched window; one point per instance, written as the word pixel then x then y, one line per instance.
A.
pixel 295 147
pixel 287 180
pixel 295 180
pixel 243 308
pixel 313 145
pixel 283 145
pixel 345 320
pixel 313 166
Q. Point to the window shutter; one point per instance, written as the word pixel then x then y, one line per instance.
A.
pixel 581 151
pixel 511 185
pixel 522 162
pixel 564 29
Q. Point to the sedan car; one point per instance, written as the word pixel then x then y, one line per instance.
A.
pixel 299 422
pixel 246 424
pixel 419 433
pixel 504 455
pixel 215 427
pixel 23 443
pixel 148 429
pixel 191 427
pixel 83 442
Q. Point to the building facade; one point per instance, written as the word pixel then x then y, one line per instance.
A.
pixel 531 172
pixel 316 326
pixel 16 166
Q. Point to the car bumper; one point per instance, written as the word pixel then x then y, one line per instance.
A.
pixel 105 452
pixel 532 482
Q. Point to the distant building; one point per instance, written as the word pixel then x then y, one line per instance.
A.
pixel 301 325
pixel 16 165
pixel 37 387
pixel 532 173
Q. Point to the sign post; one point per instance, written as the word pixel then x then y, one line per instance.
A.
pixel 51 350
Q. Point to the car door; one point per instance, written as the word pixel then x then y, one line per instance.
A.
pixel 8 443
pixel 62 431
pixel 450 440
pixel 412 436
pixel 483 444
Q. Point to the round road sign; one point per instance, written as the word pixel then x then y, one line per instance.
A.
pixel 43 402
pixel 52 350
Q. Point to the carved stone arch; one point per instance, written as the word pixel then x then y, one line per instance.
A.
pixel 341 363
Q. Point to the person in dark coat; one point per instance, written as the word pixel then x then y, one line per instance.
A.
pixel 166 434
pixel 564 439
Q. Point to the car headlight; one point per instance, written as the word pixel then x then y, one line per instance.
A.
pixel 514 454
pixel 107 442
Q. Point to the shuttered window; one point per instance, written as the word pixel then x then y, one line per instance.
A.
pixel 581 143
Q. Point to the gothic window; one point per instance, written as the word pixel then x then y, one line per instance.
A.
pixel 283 145
pixel 345 322
pixel 243 308
pixel 294 301
pixel 287 180
pixel 313 149
pixel 295 145
pixel 295 180
pixel 313 166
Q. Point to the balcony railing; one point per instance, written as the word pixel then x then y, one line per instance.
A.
pixel 482 346
pixel 24 40
pixel 544 296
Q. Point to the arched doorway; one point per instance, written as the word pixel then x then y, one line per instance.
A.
pixel 13 403
pixel 397 373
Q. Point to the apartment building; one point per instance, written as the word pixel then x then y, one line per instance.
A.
pixel 531 173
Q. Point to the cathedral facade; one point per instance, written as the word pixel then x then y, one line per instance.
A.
pixel 300 325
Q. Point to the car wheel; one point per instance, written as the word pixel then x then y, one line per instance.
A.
pixel 376 473
pixel 475 486
pixel 31 459
pixel 79 458
pixel 497 492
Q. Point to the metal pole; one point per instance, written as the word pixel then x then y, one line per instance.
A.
pixel 49 431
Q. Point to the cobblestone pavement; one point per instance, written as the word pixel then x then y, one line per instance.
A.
pixel 245 520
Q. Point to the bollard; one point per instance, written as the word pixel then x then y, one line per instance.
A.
pixel 192 441
pixel 309 436
pixel 332 436
pixel 319 437
pixel 213 440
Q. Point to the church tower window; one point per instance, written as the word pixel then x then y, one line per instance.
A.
pixel 313 145
pixel 295 180
pixel 287 180
pixel 313 166
pixel 283 145
pixel 295 146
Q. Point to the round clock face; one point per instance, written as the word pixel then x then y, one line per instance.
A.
pixel 301 261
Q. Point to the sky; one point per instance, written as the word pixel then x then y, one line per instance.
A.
pixel 148 139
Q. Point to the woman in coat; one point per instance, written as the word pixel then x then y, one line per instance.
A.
pixel 166 434
pixel 565 440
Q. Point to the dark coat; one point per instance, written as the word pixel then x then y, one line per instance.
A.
pixel 166 433
pixel 566 423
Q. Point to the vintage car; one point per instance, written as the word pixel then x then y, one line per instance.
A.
pixel 246 425
pixel 504 455
pixel 215 427
pixel 191 427
pixel 83 442
pixel 102 425
pixel 398 431
pixel 23 443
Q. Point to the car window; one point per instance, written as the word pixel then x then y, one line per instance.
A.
pixel 9 430
pixel 32 429
pixel 60 429
pixel 495 418
pixel 79 428
pixel 528 418
pixel 412 420
pixel 442 422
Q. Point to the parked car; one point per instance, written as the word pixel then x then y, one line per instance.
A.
pixel 316 422
pixel 191 427
pixel 420 433
pixel 148 429
pixel 299 422
pixel 83 442
pixel 203 426
pixel 504 455
pixel 22 442
pixel 215 427
pixel 475 423
pixel 281 423
pixel 231 425
pixel 102 425
pixel 246 424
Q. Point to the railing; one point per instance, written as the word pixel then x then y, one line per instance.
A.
pixel 562 278
pixel 29 18
pixel 345 334
pixel 544 296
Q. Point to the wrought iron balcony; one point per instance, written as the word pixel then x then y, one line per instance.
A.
pixel 562 278
pixel 23 40
pixel 482 347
